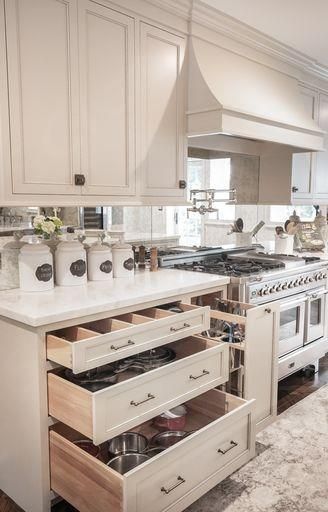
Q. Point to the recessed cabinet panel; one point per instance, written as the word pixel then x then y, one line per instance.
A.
pixel 162 112
pixel 321 177
pixel 43 95
pixel 107 88
pixel 303 163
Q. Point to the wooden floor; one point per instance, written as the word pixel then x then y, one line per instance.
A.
pixel 290 391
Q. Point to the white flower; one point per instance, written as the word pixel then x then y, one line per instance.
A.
pixel 38 221
pixel 48 227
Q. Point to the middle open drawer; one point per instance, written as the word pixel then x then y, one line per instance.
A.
pixel 199 365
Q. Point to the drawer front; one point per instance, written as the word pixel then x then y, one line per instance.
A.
pixel 295 361
pixel 116 411
pixel 105 348
pixel 172 482
pixel 91 486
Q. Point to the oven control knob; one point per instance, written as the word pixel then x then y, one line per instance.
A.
pixel 285 286
pixel 307 280
pixel 302 280
pixel 317 277
pixel 273 289
pixel 264 291
pixel 279 287
pixel 311 279
pixel 291 284
pixel 323 275
pixel 296 282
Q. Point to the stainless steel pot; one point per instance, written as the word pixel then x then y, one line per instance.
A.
pixel 168 438
pixel 128 442
pixel 124 463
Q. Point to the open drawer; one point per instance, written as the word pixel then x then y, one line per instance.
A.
pixel 252 334
pixel 222 440
pixel 200 364
pixel 96 343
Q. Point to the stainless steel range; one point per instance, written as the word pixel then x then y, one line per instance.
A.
pixel 298 283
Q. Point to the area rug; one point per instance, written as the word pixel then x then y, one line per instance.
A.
pixel 290 471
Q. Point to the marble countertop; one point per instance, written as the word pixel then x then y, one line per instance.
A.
pixel 65 303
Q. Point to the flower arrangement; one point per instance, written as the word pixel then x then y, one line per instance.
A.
pixel 47 227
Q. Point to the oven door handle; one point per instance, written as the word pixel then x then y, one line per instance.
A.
pixel 292 303
pixel 316 295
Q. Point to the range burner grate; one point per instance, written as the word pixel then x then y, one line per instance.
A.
pixel 232 268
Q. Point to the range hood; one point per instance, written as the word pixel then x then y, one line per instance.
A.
pixel 232 95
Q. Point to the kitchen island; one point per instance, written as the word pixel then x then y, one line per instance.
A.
pixel 36 337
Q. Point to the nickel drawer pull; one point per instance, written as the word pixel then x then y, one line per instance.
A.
pixel 180 482
pixel 232 445
pixel 175 329
pixel 291 365
pixel 204 372
pixel 149 397
pixel 128 344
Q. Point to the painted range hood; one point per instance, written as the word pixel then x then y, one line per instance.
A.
pixel 233 95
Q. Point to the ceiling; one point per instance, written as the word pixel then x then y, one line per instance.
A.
pixel 301 24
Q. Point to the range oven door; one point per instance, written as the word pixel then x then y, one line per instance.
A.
pixel 315 315
pixel 292 322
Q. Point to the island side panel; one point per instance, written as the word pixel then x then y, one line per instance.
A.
pixel 24 445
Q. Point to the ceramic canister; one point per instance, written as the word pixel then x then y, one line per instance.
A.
pixel 35 268
pixel 71 264
pixel 123 260
pixel 9 259
pixel 100 263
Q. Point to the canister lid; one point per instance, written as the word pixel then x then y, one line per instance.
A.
pixel 70 246
pixel 99 247
pixel 35 249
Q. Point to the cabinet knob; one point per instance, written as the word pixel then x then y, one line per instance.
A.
pixel 294 189
pixel 79 179
pixel 182 184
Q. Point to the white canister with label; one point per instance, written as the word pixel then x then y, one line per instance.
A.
pixel 100 263
pixel 35 268
pixel 71 264
pixel 123 260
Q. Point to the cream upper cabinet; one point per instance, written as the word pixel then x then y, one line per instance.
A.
pixel 161 131
pixel 304 163
pixel 42 60
pixel 321 175
pixel 106 44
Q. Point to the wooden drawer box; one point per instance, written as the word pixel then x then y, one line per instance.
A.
pixel 97 343
pixel 223 440
pixel 200 364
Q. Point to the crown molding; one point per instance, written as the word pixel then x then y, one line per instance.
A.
pixel 217 21
pixel 181 8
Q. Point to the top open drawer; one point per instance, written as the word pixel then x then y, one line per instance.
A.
pixel 94 344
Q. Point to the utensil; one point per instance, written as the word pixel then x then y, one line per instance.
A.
pixel 279 230
pixel 239 225
pixel 128 442
pixel 168 438
pixel 124 463
pixel 257 228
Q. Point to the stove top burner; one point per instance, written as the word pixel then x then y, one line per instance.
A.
pixel 232 268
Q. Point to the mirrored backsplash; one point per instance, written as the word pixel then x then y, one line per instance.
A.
pixel 155 225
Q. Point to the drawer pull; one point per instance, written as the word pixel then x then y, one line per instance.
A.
pixel 291 365
pixel 232 445
pixel 149 397
pixel 195 377
pixel 128 344
pixel 180 482
pixel 175 329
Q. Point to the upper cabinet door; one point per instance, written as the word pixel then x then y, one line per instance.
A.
pixel 162 136
pixel 107 100
pixel 43 95
pixel 321 175
pixel 303 163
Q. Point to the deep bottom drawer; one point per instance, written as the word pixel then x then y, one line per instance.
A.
pixel 223 432
pixel 302 357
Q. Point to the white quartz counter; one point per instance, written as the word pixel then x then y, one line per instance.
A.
pixel 65 303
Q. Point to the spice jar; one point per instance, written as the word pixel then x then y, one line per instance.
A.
pixel 100 263
pixel 123 260
pixel 71 264
pixel 35 268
